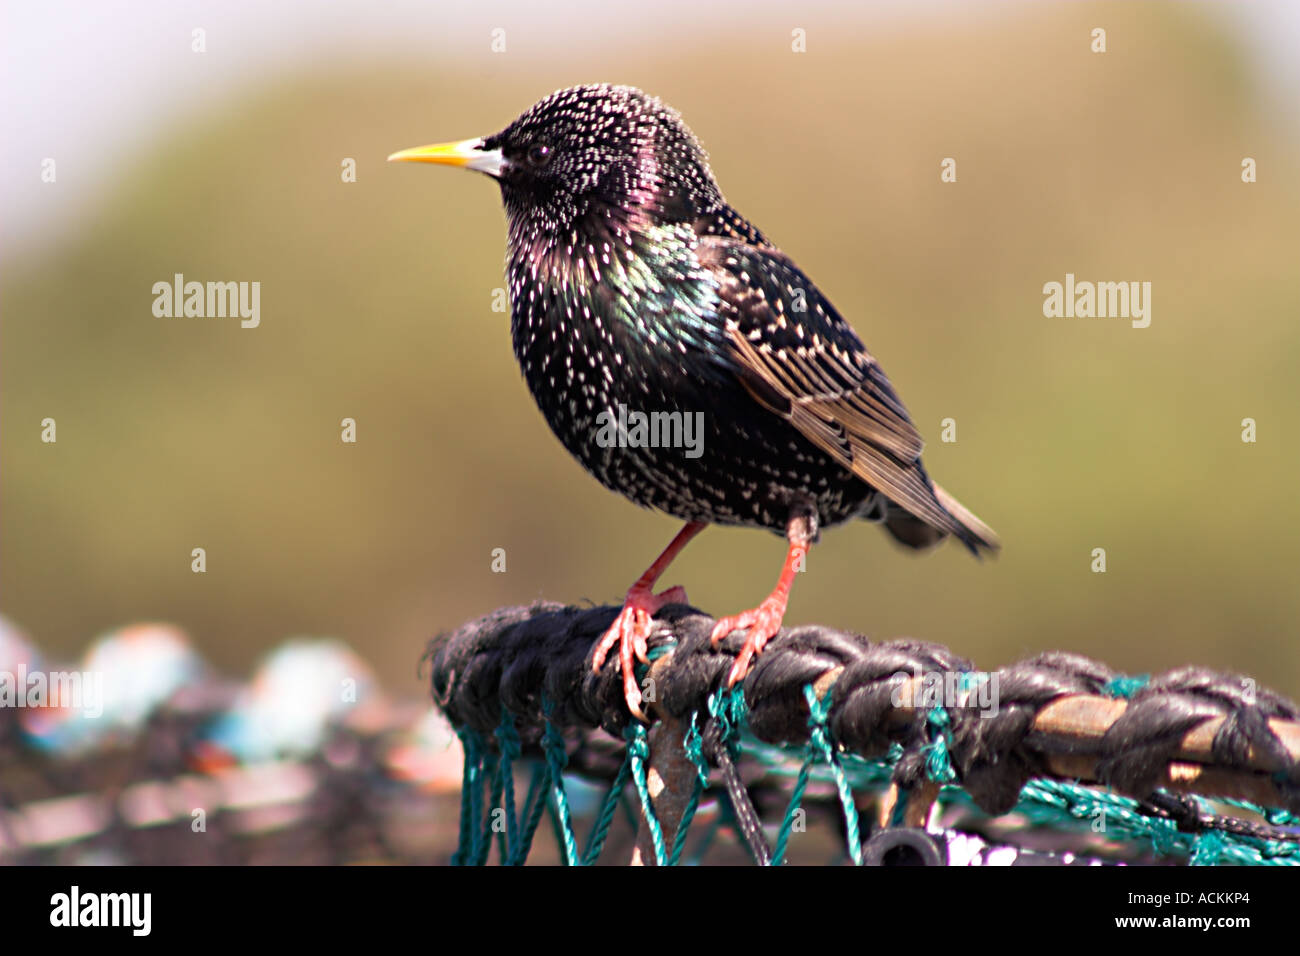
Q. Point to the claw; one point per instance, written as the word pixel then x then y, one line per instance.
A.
pixel 763 624
pixel 630 632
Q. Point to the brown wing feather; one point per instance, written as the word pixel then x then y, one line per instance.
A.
pixel 809 367
pixel 857 443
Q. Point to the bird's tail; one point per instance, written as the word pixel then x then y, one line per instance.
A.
pixel 970 530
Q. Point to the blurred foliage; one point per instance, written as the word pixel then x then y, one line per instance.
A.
pixel 376 305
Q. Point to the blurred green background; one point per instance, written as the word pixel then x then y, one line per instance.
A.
pixel 1073 434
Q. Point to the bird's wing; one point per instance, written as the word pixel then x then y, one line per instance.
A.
pixel 798 358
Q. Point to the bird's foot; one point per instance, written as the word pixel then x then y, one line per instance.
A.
pixel 763 622
pixel 630 632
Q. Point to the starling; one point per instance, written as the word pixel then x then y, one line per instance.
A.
pixel 636 289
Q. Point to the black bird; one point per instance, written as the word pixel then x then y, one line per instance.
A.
pixel 635 289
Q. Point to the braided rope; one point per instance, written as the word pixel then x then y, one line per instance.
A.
pixel 836 696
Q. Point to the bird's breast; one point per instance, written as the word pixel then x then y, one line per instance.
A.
pixel 588 349
pixel 630 372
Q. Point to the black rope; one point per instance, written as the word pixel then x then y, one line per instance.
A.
pixel 747 821
pixel 1186 814
pixel 515 655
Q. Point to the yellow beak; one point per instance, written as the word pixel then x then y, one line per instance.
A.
pixel 467 153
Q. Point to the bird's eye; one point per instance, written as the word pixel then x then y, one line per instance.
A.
pixel 539 154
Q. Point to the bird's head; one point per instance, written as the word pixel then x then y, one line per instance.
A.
pixel 600 159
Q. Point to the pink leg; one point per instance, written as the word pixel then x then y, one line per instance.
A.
pixel 764 621
pixel 632 627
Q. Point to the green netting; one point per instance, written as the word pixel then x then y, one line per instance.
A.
pixel 1057 804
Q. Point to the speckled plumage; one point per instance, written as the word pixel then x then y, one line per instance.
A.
pixel 635 288
pixel 633 282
